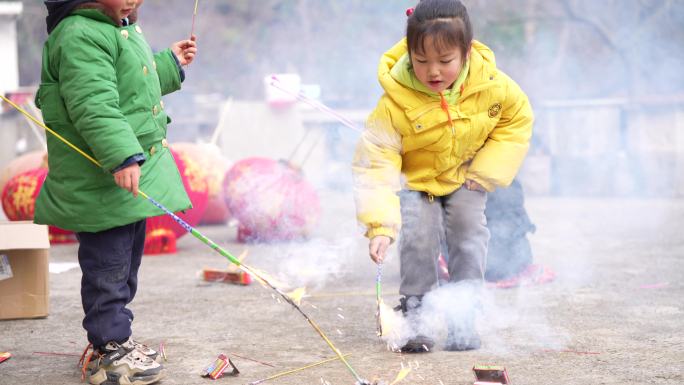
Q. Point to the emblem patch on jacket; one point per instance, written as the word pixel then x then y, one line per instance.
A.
pixel 494 110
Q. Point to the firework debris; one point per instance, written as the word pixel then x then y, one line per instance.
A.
pixel 51 354
pixel 162 351
pixel 4 356
pixel 490 375
pixel 218 367
pixel 570 351
pixel 252 359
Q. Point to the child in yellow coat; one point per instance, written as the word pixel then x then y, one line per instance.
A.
pixel 449 128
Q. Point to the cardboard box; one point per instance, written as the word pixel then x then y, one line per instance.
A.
pixel 24 293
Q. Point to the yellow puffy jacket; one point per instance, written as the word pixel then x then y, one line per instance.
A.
pixel 409 142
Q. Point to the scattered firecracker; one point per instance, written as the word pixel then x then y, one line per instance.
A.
pixel 490 375
pixel 162 351
pixel 218 367
pixel 229 276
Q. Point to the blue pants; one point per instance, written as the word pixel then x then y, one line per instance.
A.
pixel 509 250
pixel 109 261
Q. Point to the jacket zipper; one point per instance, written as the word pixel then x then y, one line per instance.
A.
pixel 445 107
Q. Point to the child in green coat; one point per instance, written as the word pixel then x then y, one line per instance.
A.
pixel 101 89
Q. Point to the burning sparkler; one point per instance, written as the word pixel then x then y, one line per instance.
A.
pixel 394 327
pixel 206 241
pixel 297 295
pixel 402 374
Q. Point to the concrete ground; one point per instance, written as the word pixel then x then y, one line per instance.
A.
pixel 615 314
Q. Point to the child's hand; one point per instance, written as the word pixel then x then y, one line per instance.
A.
pixel 474 186
pixel 377 248
pixel 128 178
pixel 185 50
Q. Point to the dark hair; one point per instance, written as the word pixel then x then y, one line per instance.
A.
pixel 446 21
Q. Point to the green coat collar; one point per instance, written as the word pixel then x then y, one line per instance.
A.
pixel 94 14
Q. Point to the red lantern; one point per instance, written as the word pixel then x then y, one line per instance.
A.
pixel 28 161
pixel 271 200
pixel 215 164
pixel 162 231
pixel 19 201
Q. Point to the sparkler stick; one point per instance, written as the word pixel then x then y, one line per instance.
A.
pixel 275 82
pixel 204 240
pixel 194 14
pixel 378 298
pixel 295 370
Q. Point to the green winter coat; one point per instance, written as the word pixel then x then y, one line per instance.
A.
pixel 101 89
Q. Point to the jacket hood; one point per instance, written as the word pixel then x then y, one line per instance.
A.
pixel 60 9
pixel 396 78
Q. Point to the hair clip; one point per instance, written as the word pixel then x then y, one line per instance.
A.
pixel 409 11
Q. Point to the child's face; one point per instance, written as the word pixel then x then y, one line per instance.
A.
pixel 436 68
pixel 122 8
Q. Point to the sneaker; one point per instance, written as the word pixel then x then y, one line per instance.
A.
pixel 418 344
pixel 118 365
pixel 409 306
pixel 131 344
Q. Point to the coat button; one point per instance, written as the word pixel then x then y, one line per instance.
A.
pixel 153 150
pixel 161 104
pixel 145 70
pixel 165 143
pixel 155 110
pixel 124 33
pixel 138 29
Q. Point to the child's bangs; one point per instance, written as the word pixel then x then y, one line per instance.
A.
pixel 446 34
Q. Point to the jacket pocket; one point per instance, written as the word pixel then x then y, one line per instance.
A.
pixel 142 123
pixel 430 131
pixel 52 105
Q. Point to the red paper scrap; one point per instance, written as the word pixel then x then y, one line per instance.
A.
pixel 4 356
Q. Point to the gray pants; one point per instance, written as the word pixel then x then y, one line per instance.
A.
pixel 457 218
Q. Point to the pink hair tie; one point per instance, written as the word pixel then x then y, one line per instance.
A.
pixel 409 11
